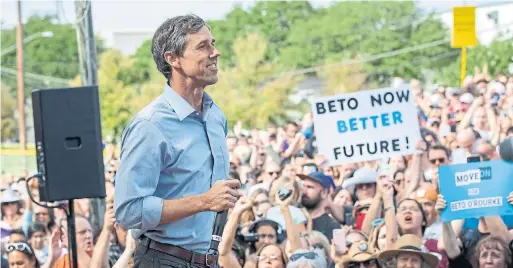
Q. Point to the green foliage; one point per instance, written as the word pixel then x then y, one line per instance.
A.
pixel 498 55
pixel 8 108
pixel 243 91
pixel 55 56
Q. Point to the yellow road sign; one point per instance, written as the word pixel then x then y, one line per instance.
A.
pixel 464 27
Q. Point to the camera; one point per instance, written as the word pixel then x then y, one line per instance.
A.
pixel 284 193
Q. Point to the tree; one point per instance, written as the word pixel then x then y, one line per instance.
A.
pixel 8 111
pixel 367 28
pixel 342 79
pixel 55 56
pixel 244 92
pixel 498 55
pixel 116 98
pixel 272 20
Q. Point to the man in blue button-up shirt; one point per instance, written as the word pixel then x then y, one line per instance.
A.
pixel 174 157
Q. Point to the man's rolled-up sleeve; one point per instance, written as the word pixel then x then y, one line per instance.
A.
pixel 143 154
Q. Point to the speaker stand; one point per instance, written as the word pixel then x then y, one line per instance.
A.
pixel 72 239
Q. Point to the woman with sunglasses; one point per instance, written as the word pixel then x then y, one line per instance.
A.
pixel 271 256
pixel 303 258
pixel 21 255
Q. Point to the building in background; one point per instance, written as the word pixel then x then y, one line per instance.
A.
pixel 127 41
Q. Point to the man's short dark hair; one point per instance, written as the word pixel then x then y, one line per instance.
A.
pixel 172 36
pixel 440 147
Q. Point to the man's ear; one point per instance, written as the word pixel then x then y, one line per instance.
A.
pixel 172 59
pixel 324 193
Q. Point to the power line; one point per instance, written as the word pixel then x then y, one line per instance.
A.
pixel 37 76
pixel 379 56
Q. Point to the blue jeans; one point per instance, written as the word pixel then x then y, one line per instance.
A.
pixel 145 257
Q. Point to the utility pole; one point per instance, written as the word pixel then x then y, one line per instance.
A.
pixel 20 77
pixel 86 43
pixel 89 77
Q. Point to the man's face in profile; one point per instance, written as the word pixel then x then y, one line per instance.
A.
pixel 199 60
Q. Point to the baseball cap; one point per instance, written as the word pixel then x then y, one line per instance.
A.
pixel 319 177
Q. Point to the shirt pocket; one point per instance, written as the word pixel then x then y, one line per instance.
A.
pixel 221 164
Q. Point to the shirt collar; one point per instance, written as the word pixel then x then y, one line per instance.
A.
pixel 180 105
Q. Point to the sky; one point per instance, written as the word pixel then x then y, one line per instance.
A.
pixel 115 15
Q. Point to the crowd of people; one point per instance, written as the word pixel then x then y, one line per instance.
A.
pixel 297 210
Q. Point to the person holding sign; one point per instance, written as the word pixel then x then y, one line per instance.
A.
pixel 490 226
pixel 491 250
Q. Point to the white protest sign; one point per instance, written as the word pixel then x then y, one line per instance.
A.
pixel 366 125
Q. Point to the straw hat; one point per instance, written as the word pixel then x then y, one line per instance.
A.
pixel 359 252
pixel 409 244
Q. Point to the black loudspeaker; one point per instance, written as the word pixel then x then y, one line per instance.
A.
pixel 68 143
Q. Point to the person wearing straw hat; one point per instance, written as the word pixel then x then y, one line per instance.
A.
pixel 360 255
pixel 408 252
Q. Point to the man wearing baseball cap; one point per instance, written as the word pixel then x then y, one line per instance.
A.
pixel 316 190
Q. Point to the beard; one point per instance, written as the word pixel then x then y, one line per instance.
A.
pixel 310 203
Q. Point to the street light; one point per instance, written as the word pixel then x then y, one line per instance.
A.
pixel 29 38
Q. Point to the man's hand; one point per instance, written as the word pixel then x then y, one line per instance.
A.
pixel 243 204
pixel 110 218
pixel 221 196
pixel 441 204
pixel 421 145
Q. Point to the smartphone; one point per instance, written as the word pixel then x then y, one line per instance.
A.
pixel 339 240
pixel 308 169
pixel 473 159
pixel 284 193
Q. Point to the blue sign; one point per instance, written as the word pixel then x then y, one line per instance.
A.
pixel 475 190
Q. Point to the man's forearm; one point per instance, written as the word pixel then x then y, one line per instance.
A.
pixel 177 209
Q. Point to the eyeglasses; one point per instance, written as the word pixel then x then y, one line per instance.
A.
pixel 309 255
pixel 23 247
pixel 271 258
pixel 440 160
pixel 368 263
pixel 349 244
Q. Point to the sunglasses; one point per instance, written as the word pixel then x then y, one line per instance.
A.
pixel 23 247
pixel 368 263
pixel 309 255
pixel 440 160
